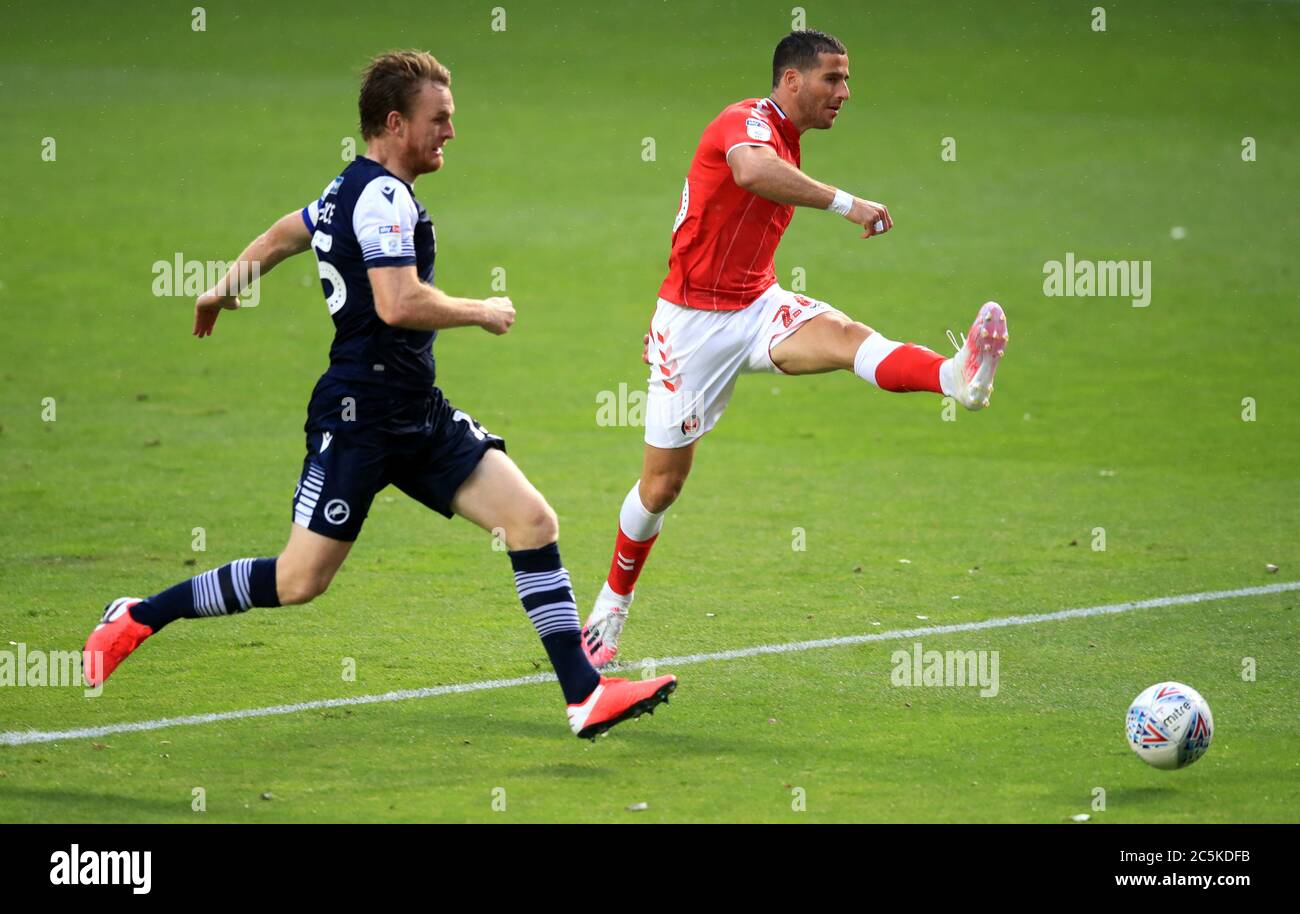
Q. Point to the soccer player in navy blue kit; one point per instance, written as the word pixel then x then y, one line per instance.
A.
pixel 375 417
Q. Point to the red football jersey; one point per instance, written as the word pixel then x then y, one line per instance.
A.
pixel 724 237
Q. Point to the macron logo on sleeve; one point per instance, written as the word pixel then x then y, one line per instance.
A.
pixel 388 193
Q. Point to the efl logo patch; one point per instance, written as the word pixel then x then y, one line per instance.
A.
pixel 758 129
pixel 390 240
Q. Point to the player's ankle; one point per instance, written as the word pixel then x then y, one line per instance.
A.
pixel 610 595
pixel 948 377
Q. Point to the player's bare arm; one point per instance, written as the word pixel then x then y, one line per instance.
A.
pixel 759 170
pixel 285 238
pixel 402 300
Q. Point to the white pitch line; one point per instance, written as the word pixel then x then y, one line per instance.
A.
pixel 27 737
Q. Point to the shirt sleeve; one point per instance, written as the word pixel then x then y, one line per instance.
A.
pixel 384 223
pixel 745 127
pixel 311 212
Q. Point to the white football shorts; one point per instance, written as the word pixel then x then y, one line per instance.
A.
pixel 696 356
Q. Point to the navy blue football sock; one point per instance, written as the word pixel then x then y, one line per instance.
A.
pixel 222 591
pixel 547 595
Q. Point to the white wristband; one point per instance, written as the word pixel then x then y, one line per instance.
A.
pixel 842 203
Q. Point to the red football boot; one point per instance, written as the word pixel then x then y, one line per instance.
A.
pixel 112 641
pixel 616 700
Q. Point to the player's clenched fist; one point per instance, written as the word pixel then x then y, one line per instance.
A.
pixel 872 216
pixel 500 315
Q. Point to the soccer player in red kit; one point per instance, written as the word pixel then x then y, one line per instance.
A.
pixel 721 312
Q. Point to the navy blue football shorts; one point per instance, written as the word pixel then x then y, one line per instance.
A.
pixel 358 443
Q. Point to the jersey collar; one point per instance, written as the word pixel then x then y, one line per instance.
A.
pixel 387 172
pixel 784 124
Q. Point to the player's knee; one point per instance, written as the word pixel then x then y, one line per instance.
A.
pixel 660 491
pixel 297 586
pixel 536 526
pixel 856 331
pixel 851 336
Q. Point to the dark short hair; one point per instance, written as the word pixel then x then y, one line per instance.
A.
pixel 390 82
pixel 800 49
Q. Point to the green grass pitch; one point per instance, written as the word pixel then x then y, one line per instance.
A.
pixel 1134 420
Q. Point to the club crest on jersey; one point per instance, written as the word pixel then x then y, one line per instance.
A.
pixel 758 129
pixel 691 425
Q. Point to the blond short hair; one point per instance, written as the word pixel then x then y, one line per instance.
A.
pixel 389 83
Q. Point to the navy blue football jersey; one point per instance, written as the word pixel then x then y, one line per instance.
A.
pixel 368 217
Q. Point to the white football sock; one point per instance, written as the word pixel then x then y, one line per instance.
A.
pixel 871 353
pixel 607 593
pixel 948 380
pixel 635 520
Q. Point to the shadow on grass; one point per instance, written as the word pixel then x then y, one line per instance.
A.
pixel 63 806
pixel 657 731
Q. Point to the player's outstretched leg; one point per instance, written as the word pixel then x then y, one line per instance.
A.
pixel 967 377
pixel 128 621
pixel 300 573
pixel 662 476
pixel 497 496
pixel 830 341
